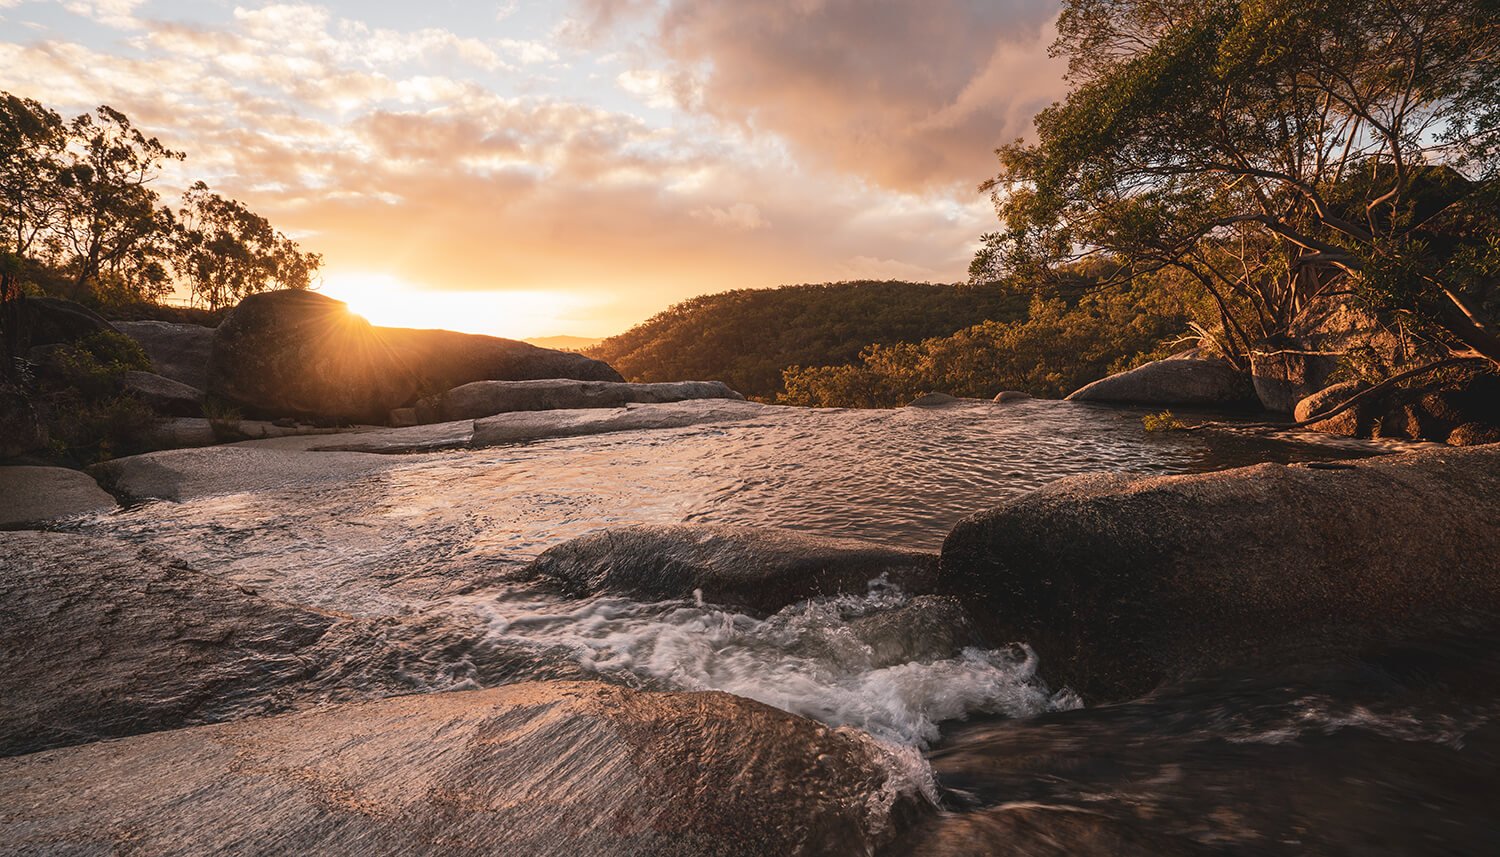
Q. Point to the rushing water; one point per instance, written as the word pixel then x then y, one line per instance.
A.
pixel 436 534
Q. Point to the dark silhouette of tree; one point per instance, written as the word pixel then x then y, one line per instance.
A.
pixel 226 251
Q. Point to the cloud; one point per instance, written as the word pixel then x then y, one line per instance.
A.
pixel 740 216
pixel 908 95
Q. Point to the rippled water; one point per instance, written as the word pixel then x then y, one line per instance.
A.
pixel 438 533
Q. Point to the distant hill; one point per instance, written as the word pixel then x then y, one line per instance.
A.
pixel 565 343
pixel 746 337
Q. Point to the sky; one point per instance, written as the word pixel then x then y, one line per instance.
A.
pixel 568 167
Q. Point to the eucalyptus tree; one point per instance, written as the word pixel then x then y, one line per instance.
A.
pixel 226 251
pixel 1271 152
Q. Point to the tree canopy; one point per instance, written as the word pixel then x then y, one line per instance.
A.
pixel 1273 152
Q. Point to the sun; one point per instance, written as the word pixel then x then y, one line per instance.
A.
pixel 388 301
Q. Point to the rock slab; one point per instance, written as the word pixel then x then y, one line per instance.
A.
pixel 753 568
pixel 1122 583
pixel 177 351
pixel 537 425
pixel 537 769
pixel 487 398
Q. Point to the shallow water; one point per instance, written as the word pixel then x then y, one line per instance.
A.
pixel 439 533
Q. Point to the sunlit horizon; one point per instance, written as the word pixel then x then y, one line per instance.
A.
pixel 389 302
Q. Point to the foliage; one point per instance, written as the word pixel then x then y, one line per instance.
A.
pixel 1164 421
pixel 1273 151
pixel 746 338
pixel 85 409
pixel 1053 350
pixel 79 218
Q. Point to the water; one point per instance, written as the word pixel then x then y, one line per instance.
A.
pixel 439 535
pixel 433 543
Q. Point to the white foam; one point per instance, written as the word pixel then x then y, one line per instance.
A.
pixel 805 659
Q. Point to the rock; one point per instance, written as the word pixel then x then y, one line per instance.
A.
pixel 102 638
pixel 753 568
pixel 180 474
pixel 299 353
pixel 928 628
pixel 35 495
pixel 1327 399
pixel 404 418
pixel 932 400
pixel 537 425
pixel 177 351
pixel 163 395
pixel 487 398
pixel 182 433
pixel 1184 381
pixel 535 769
pixel 1121 583
pixel 1430 412
pixel 1474 434
pixel 386 441
pixel 1011 396
pixel 1284 377
pixel 53 321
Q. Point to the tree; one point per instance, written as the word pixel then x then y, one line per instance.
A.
pixel 226 251
pixel 1273 152
pixel 110 215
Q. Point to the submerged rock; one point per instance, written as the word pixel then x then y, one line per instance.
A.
pixel 487 398
pixel 301 354
pixel 177 351
pixel 747 567
pixel 1121 583
pixel 537 425
pixel 34 495
pixel 568 769
pixel 1175 381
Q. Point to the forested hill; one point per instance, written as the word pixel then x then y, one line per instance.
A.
pixel 746 337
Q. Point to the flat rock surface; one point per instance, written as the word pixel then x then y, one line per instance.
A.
pixel 33 495
pixel 180 474
pixel 758 568
pixel 164 395
pixel 1121 583
pixel 487 398
pixel 532 769
pixel 537 425
pixel 387 441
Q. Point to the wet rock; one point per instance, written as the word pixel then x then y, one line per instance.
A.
pixel 163 395
pixel 537 425
pixel 1011 396
pixel 1121 583
pixel 177 351
pixel 298 353
pixel 102 638
pixel 34 495
pixel 928 628
pixel 180 474
pixel 1181 381
pixel 535 769
pixel 753 568
pixel 487 398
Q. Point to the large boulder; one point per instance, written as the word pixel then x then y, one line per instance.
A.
pixel 1434 411
pixel 54 321
pixel 753 568
pixel 1179 381
pixel 101 638
pixel 525 426
pixel 1121 583
pixel 177 351
pixel 35 495
pixel 1285 376
pixel 487 398
pixel 299 353
pixel 569 769
pixel 164 395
